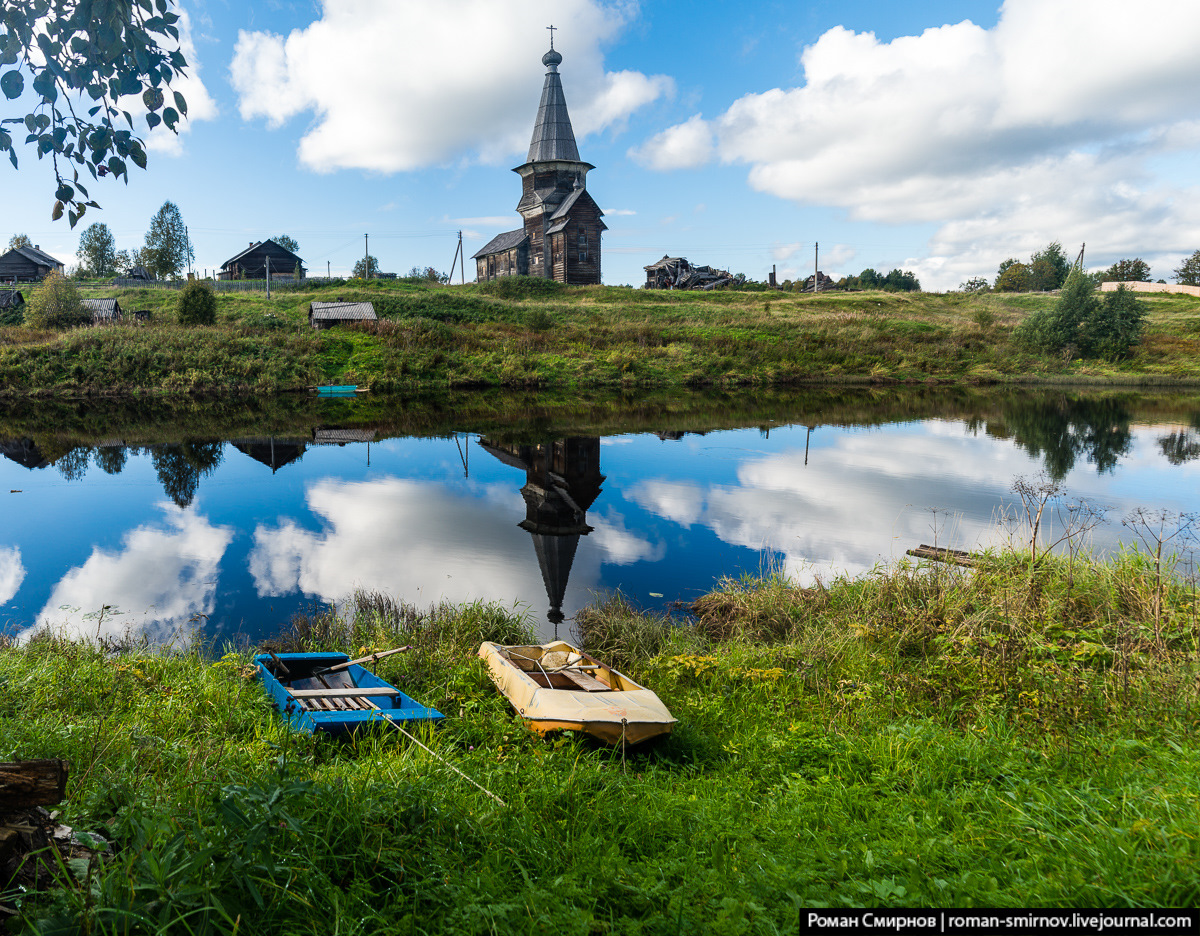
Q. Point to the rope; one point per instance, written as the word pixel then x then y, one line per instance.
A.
pixel 452 767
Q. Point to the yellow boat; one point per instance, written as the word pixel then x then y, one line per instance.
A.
pixel 556 686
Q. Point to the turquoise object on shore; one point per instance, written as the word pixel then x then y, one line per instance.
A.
pixel 338 703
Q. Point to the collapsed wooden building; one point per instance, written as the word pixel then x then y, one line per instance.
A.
pixel 103 311
pixel 560 235
pixel 678 273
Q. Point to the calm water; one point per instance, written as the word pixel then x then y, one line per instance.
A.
pixel 236 534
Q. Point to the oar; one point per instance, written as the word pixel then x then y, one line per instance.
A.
pixel 373 658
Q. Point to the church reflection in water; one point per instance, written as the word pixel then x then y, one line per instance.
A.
pixel 562 481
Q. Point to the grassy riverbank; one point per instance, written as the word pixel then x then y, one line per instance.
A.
pixel 534 334
pixel 918 736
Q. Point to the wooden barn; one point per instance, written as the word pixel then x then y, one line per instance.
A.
pixel 327 314
pixel 251 263
pixel 27 265
pixel 560 235
pixel 104 311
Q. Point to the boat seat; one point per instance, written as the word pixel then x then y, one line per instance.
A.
pixel 584 681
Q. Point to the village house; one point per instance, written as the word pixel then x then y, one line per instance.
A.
pixel 327 314
pixel 560 236
pixel 27 265
pixel 253 263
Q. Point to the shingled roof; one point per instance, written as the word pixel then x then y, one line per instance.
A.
pixel 341 312
pixel 103 310
pixel 553 138
pixel 501 242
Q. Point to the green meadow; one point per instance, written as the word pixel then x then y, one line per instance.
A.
pixel 535 334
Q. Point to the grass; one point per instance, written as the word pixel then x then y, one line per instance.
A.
pixel 917 736
pixel 535 334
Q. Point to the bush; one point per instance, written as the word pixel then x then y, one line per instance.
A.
pixel 196 305
pixel 55 303
pixel 1081 324
pixel 521 287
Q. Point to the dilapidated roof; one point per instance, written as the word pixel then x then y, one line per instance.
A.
pixel 342 312
pixel 10 298
pixel 502 242
pixel 103 310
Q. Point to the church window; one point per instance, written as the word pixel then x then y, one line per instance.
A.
pixel 583 246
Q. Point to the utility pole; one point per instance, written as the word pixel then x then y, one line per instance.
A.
pixel 268 277
pixel 457 253
pixel 327 276
pixel 366 257
pixel 816 267
pixel 187 245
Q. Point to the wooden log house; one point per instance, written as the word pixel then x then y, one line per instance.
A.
pixel 251 263
pixel 27 265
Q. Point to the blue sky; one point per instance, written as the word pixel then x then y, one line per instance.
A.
pixel 938 137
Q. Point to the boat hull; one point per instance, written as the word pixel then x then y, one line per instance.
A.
pixel 312 709
pixel 572 692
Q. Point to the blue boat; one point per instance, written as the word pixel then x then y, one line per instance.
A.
pixel 338 390
pixel 329 692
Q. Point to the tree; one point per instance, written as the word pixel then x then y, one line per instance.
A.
pixel 901 281
pixel 19 240
pixel 196 305
pixel 428 274
pixel 1014 276
pixel 367 268
pixel 98 250
pixel 287 242
pixel 99 55
pixel 976 284
pixel 1116 326
pixel 55 303
pixel 1049 267
pixel 1189 273
pixel 1060 329
pixel 1127 271
pixel 167 250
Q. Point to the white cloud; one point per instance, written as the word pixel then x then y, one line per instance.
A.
pixel 397 85
pixel 12 573
pixel 1045 127
pixel 159 580
pixel 619 544
pixel 620 212
pixel 685 146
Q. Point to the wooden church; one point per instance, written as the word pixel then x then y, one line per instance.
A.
pixel 560 235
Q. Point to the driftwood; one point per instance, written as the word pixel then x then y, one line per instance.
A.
pixel 32 783
pixel 939 554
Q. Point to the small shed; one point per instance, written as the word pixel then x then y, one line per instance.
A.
pixel 27 265
pixel 10 299
pixel 328 314
pixel 104 311
pixel 253 262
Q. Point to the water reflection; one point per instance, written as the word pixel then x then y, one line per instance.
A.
pixel 537 520
pixel 166 570
pixel 562 480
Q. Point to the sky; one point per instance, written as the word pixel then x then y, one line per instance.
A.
pixel 938 137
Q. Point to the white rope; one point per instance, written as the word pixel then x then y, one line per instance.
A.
pixel 452 767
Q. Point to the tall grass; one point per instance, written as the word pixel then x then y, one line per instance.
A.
pixel 917 736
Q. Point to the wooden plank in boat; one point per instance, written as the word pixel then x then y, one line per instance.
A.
pixel 341 693
pixel 586 682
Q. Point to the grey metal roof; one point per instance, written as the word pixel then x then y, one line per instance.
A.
pixel 342 436
pixel 342 311
pixel 553 138
pixel 501 242
pixel 102 309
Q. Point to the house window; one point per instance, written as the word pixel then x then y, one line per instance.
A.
pixel 583 246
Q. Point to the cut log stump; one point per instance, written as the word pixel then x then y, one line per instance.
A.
pixel 32 783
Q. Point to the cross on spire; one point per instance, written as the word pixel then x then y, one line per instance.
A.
pixel 551 28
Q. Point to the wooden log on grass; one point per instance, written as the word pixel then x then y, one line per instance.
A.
pixel 939 554
pixel 32 783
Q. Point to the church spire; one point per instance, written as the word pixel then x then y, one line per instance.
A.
pixel 553 139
